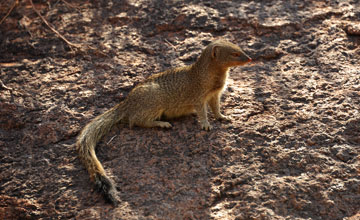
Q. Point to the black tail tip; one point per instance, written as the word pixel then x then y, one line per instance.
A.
pixel 107 187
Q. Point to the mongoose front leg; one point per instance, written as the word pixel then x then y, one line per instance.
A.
pixel 201 111
pixel 214 104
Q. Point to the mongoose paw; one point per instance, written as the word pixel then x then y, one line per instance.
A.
pixel 223 117
pixel 164 124
pixel 206 126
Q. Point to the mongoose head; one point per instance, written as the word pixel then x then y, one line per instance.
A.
pixel 228 54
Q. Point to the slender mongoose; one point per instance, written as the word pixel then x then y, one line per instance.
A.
pixel 169 94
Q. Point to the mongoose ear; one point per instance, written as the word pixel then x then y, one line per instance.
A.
pixel 214 51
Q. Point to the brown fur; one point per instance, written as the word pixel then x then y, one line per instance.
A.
pixel 169 94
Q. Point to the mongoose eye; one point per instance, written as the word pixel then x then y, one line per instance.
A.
pixel 236 54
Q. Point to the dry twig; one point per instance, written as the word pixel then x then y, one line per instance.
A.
pixel 2 86
pixel 12 8
pixel 78 46
pixel 169 43
pixel 111 139
pixel 70 5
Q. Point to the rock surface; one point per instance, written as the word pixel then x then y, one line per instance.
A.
pixel 291 150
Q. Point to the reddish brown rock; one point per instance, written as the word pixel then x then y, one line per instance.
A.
pixel 291 150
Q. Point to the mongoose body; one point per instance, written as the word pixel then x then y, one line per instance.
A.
pixel 169 94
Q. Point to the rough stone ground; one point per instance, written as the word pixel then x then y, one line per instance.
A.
pixel 290 152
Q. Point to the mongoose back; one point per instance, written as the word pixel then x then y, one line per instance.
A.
pixel 169 94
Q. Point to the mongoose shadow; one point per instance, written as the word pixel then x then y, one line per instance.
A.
pixel 170 94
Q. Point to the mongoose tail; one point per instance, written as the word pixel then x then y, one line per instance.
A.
pixel 86 143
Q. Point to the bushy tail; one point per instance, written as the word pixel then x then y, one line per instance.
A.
pixel 86 143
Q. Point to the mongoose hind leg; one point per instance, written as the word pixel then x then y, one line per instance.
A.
pixel 178 112
pixel 161 124
pixel 148 119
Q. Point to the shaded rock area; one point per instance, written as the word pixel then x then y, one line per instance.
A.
pixel 291 150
